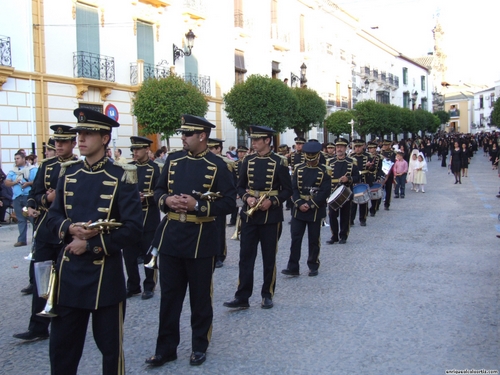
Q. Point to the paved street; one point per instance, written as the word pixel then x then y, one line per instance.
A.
pixel 416 291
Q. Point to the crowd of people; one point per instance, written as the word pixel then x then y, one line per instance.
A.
pixel 167 211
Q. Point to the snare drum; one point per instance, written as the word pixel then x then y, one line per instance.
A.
pixel 376 192
pixel 361 193
pixel 339 197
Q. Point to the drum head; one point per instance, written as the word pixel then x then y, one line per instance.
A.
pixel 335 194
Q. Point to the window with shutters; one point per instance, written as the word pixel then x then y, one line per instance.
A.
pixel 87 29
pixel 239 67
pixel 145 47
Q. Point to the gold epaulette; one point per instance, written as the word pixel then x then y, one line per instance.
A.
pixel 130 174
pixel 66 164
pixel 329 170
pixel 284 160
pixel 229 162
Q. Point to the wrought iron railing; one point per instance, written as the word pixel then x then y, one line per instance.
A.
pixel 345 103
pixel 375 73
pixel 201 82
pixel 93 65
pixel 149 71
pixel 383 77
pixel 454 112
pixel 5 54
pixel 365 71
pixel 396 81
pixel 390 79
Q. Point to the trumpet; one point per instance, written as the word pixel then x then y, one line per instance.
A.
pixel 101 225
pixel 236 234
pixel 257 206
pixel 153 264
pixel 49 309
pixel 208 196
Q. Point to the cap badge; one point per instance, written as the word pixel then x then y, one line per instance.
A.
pixel 81 117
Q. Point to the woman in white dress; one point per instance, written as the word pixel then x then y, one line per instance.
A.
pixel 420 178
pixel 411 168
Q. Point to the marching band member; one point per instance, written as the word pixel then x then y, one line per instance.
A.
pixel 363 162
pixel 344 172
pixel 311 185
pixel 90 265
pixel 264 185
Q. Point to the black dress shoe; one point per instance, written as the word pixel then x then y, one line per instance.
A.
pixel 331 242
pixel 266 303
pixel 160 360
pixel 372 214
pixel 343 241
pixel 218 264
pixel 352 223
pixel 131 293
pixel 313 273
pixel 28 289
pixel 288 272
pixel 197 358
pixel 29 335
pixel 386 208
pixel 237 303
pixel 363 223
pixel 147 294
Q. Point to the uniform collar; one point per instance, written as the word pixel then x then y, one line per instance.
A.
pixel 62 160
pixel 201 154
pixel 95 167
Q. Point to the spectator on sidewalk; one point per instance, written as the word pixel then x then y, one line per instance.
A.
pixel 400 170
pixel 20 179
pixel 119 158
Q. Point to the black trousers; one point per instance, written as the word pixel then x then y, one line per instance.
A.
pixel 363 211
pixel 297 230
pixel 375 204
pixel 130 255
pixel 388 190
pixel 67 338
pixel 268 235
pixel 175 276
pixel 340 230
pixel 220 223
pixel 43 251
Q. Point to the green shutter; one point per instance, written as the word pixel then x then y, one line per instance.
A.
pixel 87 29
pixel 145 43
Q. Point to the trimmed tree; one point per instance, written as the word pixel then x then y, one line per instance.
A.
pixel 160 103
pixel 495 114
pixel 372 118
pixel 311 110
pixel 408 123
pixel 261 100
pixel 337 123
pixel 443 116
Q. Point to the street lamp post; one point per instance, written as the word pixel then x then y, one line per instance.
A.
pixel 352 128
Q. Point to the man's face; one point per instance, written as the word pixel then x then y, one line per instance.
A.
pixel 216 150
pixel 241 154
pixel 117 154
pixel 141 154
pixel 330 150
pixel 191 140
pixel 20 161
pixel 108 152
pixel 49 153
pixel 298 147
pixel 340 150
pixel 91 143
pixel 372 150
pixel 358 149
pixel 64 149
pixel 260 145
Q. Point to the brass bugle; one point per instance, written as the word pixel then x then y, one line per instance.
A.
pixel 153 264
pixel 208 196
pixel 236 234
pixel 49 309
pixel 261 200
pixel 101 225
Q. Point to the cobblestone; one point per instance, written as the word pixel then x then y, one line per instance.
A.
pixel 416 291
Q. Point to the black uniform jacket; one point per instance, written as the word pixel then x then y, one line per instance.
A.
pixel 311 185
pixel 343 167
pixel 148 175
pixel 361 160
pixel 46 178
pixel 262 174
pixel 103 191
pixel 184 173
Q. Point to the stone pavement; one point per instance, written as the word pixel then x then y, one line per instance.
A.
pixel 416 291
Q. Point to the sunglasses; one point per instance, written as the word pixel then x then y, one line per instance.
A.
pixel 188 133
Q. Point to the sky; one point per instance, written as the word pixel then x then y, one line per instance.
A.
pixel 470 37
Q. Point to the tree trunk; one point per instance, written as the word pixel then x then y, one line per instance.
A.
pixel 299 132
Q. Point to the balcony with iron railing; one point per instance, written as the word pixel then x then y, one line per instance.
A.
pixel 396 82
pixel 375 74
pixel 141 71
pixel 241 21
pixel 280 38
pixel 5 52
pixel 454 112
pixel 365 71
pixel 344 103
pixel 199 81
pixel 94 66
pixel 390 79
pixel 383 77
